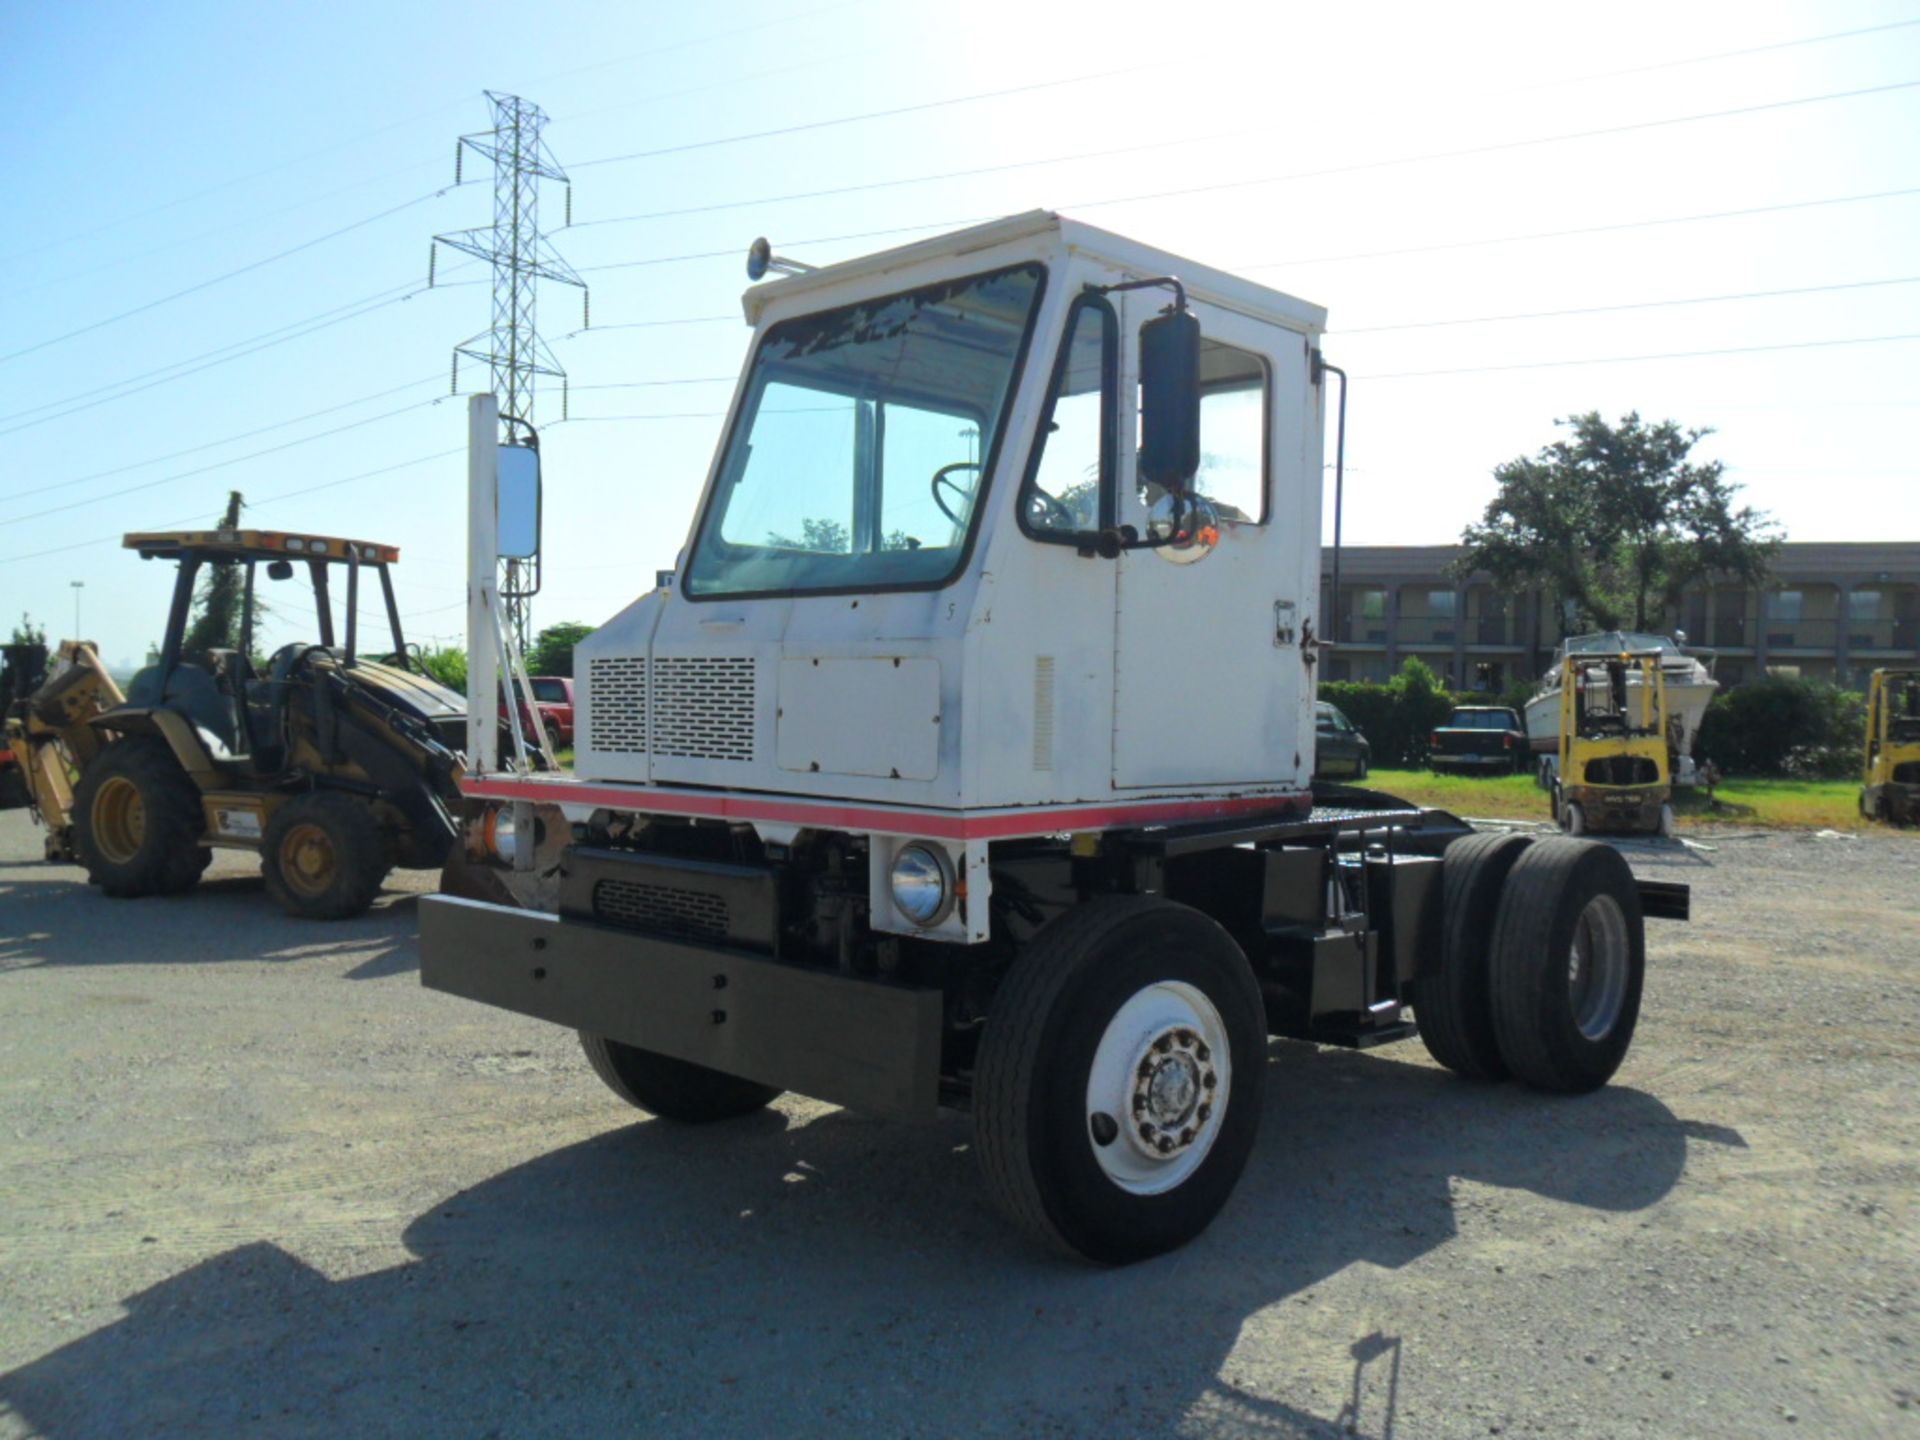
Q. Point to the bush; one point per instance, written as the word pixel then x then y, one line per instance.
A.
pixel 1784 725
pixel 1396 717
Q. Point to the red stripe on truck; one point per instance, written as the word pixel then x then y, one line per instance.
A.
pixel 934 824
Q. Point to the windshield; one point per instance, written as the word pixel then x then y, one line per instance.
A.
pixel 863 440
pixel 1615 642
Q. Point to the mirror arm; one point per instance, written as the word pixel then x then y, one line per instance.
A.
pixel 1170 282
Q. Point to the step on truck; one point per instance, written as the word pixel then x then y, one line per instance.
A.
pixel 964 760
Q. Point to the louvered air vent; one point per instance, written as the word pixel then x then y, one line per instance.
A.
pixel 703 707
pixel 617 704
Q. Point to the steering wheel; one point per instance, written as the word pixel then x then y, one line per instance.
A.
pixel 1049 513
pixel 944 476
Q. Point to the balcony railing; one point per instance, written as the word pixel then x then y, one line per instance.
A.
pixel 1883 634
pixel 1427 629
pixel 1801 634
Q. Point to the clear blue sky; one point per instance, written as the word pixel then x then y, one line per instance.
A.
pixel 156 149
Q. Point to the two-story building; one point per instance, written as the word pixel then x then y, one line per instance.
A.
pixel 1828 611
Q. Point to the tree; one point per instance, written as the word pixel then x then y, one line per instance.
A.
pixel 830 537
pixel 445 663
pixel 1617 520
pixel 215 621
pixel 28 633
pixel 552 650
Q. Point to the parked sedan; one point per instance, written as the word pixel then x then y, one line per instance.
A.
pixel 1339 747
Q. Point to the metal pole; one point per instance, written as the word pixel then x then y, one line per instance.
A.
pixel 483 566
pixel 1339 495
pixel 78 586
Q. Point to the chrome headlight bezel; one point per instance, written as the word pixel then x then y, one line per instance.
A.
pixel 921 884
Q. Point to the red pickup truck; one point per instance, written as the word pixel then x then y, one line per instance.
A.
pixel 553 697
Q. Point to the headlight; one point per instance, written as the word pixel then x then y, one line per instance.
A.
pixel 922 884
pixel 497 834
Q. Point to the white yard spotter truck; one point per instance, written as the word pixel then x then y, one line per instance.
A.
pixel 964 760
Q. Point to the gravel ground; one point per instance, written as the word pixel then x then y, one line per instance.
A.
pixel 254 1180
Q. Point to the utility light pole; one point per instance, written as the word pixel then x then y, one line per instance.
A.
pixel 78 586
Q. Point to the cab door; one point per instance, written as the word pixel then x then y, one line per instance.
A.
pixel 1208 679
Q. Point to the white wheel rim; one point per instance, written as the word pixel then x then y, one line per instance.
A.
pixel 1159 1087
pixel 1597 967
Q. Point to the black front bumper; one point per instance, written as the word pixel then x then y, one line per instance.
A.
pixel 861 1043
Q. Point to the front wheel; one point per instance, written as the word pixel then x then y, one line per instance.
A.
pixel 1118 1091
pixel 673 1089
pixel 1360 770
pixel 323 856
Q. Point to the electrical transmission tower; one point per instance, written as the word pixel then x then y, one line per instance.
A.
pixel 511 347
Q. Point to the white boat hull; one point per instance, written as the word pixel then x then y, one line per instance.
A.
pixel 1687 701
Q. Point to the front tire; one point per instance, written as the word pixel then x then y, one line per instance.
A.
pixel 137 821
pixel 673 1089
pixel 1568 963
pixel 1118 1092
pixel 323 856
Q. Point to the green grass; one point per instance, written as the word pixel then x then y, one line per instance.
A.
pixel 1785 804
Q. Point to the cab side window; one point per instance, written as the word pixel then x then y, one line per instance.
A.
pixel 1233 432
pixel 1067 477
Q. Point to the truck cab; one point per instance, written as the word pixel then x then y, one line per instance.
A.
pixel 965 759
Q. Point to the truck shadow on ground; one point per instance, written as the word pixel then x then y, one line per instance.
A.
pixel 847 1277
pixel 56 919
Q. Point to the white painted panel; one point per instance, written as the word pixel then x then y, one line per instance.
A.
pixel 869 716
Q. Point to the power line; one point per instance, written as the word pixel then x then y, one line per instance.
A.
pixel 870 115
pixel 654 324
pixel 220 279
pixel 1497 147
pixel 326 319
pixel 227 440
pixel 218 464
pixel 252 505
pixel 1634 359
pixel 1630 305
pixel 1582 230
pixel 1194 140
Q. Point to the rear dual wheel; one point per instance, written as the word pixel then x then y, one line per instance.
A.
pixel 1542 961
pixel 1117 1096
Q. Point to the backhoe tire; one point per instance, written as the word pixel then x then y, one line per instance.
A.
pixel 673 1089
pixel 1568 961
pixel 14 794
pixel 1454 1005
pixel 324 856
pixel 1118 1091
pixel 137 821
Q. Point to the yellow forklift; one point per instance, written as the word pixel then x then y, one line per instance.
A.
pixel 333 765
pixel 1891 790
pixel 1613 771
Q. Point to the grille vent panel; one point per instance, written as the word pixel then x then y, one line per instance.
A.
pixel 617 712
pixel 704 707
pixel 661 909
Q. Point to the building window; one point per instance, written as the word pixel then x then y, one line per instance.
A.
pixel 1863 606
pixel 1440 604
pixel 1785 605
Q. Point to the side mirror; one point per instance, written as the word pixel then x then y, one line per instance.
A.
pixel 1170 400
pixel 518 505
pixel 280 569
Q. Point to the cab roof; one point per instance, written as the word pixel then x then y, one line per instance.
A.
pixel 1045 227
pixel 257 545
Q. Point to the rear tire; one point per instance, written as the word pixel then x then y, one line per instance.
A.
pixel 1568 963
pixel 324 856
pixel 1669 824
pixel 1573 818
pixel 137 821
pixel 673 1089
pixel 1118 1091
pixel 14 794
pixel 1453 1005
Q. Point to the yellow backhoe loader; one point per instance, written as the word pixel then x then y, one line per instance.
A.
pixel 333 765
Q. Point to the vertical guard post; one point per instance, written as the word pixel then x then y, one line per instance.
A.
pixel 483 566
